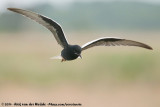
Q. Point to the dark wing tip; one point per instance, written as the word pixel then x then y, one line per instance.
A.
pixel 148 47
pixel 9 8
pixel 139 44
pixel 12 9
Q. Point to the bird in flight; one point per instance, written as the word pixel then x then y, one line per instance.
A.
pixel 71 52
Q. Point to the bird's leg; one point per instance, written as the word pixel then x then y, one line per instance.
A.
pixel 63 60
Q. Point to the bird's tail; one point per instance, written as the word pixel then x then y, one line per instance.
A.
pixel 56 57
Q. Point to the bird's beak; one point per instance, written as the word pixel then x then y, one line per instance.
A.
pixel 80 56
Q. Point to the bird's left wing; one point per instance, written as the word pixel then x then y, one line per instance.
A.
pixel 113 42
pixel 48 23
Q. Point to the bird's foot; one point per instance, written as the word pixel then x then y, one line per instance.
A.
pixel 63 60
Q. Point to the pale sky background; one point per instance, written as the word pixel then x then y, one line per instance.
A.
pixel 21 3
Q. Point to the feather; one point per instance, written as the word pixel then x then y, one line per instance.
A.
pixel 107 41
pixel 46 22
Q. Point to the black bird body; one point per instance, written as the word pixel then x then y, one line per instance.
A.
pixel 71 52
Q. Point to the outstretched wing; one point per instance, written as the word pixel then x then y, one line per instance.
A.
pixel 48 23
pixel 113 42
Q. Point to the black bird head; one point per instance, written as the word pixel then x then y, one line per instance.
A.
pixel 77 50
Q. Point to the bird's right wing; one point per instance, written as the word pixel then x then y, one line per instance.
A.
pixel 48 23
pixel 113 42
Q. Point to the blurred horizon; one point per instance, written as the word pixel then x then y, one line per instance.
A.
pixel 90 16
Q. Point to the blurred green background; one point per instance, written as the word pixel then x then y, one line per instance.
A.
pixel 106 76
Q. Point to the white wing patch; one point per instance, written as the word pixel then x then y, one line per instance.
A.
pixel 97 40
